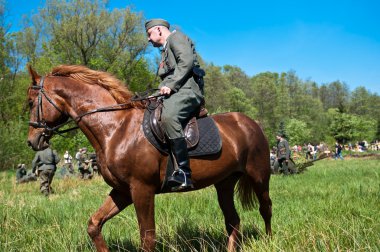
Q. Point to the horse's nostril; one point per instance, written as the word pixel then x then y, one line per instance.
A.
pixel 29 143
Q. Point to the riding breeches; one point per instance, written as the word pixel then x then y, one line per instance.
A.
pixel 177 110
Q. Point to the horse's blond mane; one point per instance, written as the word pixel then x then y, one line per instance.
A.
pixel 114 86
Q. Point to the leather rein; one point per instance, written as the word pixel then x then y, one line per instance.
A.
pixel 41 122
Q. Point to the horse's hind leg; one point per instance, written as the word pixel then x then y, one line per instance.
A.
pixel 225 191
pixel 265 206
pixel 260 177
pixel 114 203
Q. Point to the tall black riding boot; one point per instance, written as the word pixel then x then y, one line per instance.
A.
pixel 181 178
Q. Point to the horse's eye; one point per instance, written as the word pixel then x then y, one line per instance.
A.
pixel 30 104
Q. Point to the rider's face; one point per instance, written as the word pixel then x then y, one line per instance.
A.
pixel 154 36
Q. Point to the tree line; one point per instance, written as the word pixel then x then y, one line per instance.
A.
pixel 89 33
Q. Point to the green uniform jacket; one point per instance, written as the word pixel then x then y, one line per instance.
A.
pixel 45 160
pixel 283 150
pixel 177 62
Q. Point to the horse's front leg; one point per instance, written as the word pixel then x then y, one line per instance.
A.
pixel 114 203
pixel 143 200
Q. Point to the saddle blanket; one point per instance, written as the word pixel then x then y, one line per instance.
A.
pixel 209 138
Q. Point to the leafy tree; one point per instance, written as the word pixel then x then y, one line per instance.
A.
pixel 264 99
pixel 87 33
pixel 360 101
pixel 237 78
pixel 365 128
pixel 342 126
pixel 283 102
pixel 298 131
pixel 238 102
pixel 216 87
pixel 335 95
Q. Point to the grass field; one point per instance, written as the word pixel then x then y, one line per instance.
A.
pixel 333 206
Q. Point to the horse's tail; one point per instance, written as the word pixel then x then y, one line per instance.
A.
pixel 246 192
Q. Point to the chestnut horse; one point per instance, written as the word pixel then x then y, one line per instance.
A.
pixel 103 109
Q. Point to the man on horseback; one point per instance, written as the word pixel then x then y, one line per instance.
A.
pixel 182 85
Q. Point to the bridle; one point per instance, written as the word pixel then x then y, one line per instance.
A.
pixel 41 122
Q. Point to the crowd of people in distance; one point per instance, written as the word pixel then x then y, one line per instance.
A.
pixel 309 153
pixel 47 163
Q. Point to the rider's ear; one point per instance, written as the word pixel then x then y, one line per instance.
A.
pixel 33 74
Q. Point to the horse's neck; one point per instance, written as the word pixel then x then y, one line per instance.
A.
pixel 98 127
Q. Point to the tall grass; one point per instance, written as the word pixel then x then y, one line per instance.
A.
pixel 333 206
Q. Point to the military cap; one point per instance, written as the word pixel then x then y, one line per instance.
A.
pixel 156 22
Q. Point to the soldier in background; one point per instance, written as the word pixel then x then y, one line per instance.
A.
pixel 20 172
pixel 22 176
pixel 84 165
pixel 283 153
pixel 94 164
pixel 77 157
pixel 45 163
pixel 68 159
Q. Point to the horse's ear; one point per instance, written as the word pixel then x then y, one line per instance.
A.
pixel 33 74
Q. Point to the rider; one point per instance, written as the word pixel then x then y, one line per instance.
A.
pixel 182 85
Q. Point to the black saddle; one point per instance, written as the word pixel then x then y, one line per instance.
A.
pixel 202 135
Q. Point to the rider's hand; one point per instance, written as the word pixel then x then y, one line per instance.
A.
pixel 165 90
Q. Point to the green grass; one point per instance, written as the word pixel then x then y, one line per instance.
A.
pixel 333 206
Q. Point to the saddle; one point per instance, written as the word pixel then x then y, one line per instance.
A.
pixel 191 130
pixel 201 134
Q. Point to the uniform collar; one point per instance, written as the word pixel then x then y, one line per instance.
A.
pixel 166 41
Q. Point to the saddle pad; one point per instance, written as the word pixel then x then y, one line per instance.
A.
pixel 209 138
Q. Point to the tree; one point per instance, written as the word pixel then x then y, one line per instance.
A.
pixel 298 131
pixel 283 98
pixel 237 78
pixel 87 33
pixel 216 87
pixel 342 126
pixel 365 128
pixel 360 101
pixel 264 99
pixel 335 95
pixel 238 102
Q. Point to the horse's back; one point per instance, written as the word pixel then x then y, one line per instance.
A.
pixel 239 130
pixel 236 122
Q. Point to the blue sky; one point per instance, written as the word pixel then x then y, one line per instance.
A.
pixel 321 40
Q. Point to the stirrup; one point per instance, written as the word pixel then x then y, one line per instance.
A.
pixel 183 182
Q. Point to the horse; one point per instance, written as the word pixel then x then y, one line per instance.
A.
pixel 103 109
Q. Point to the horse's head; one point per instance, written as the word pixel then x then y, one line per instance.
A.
pixel 46 110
